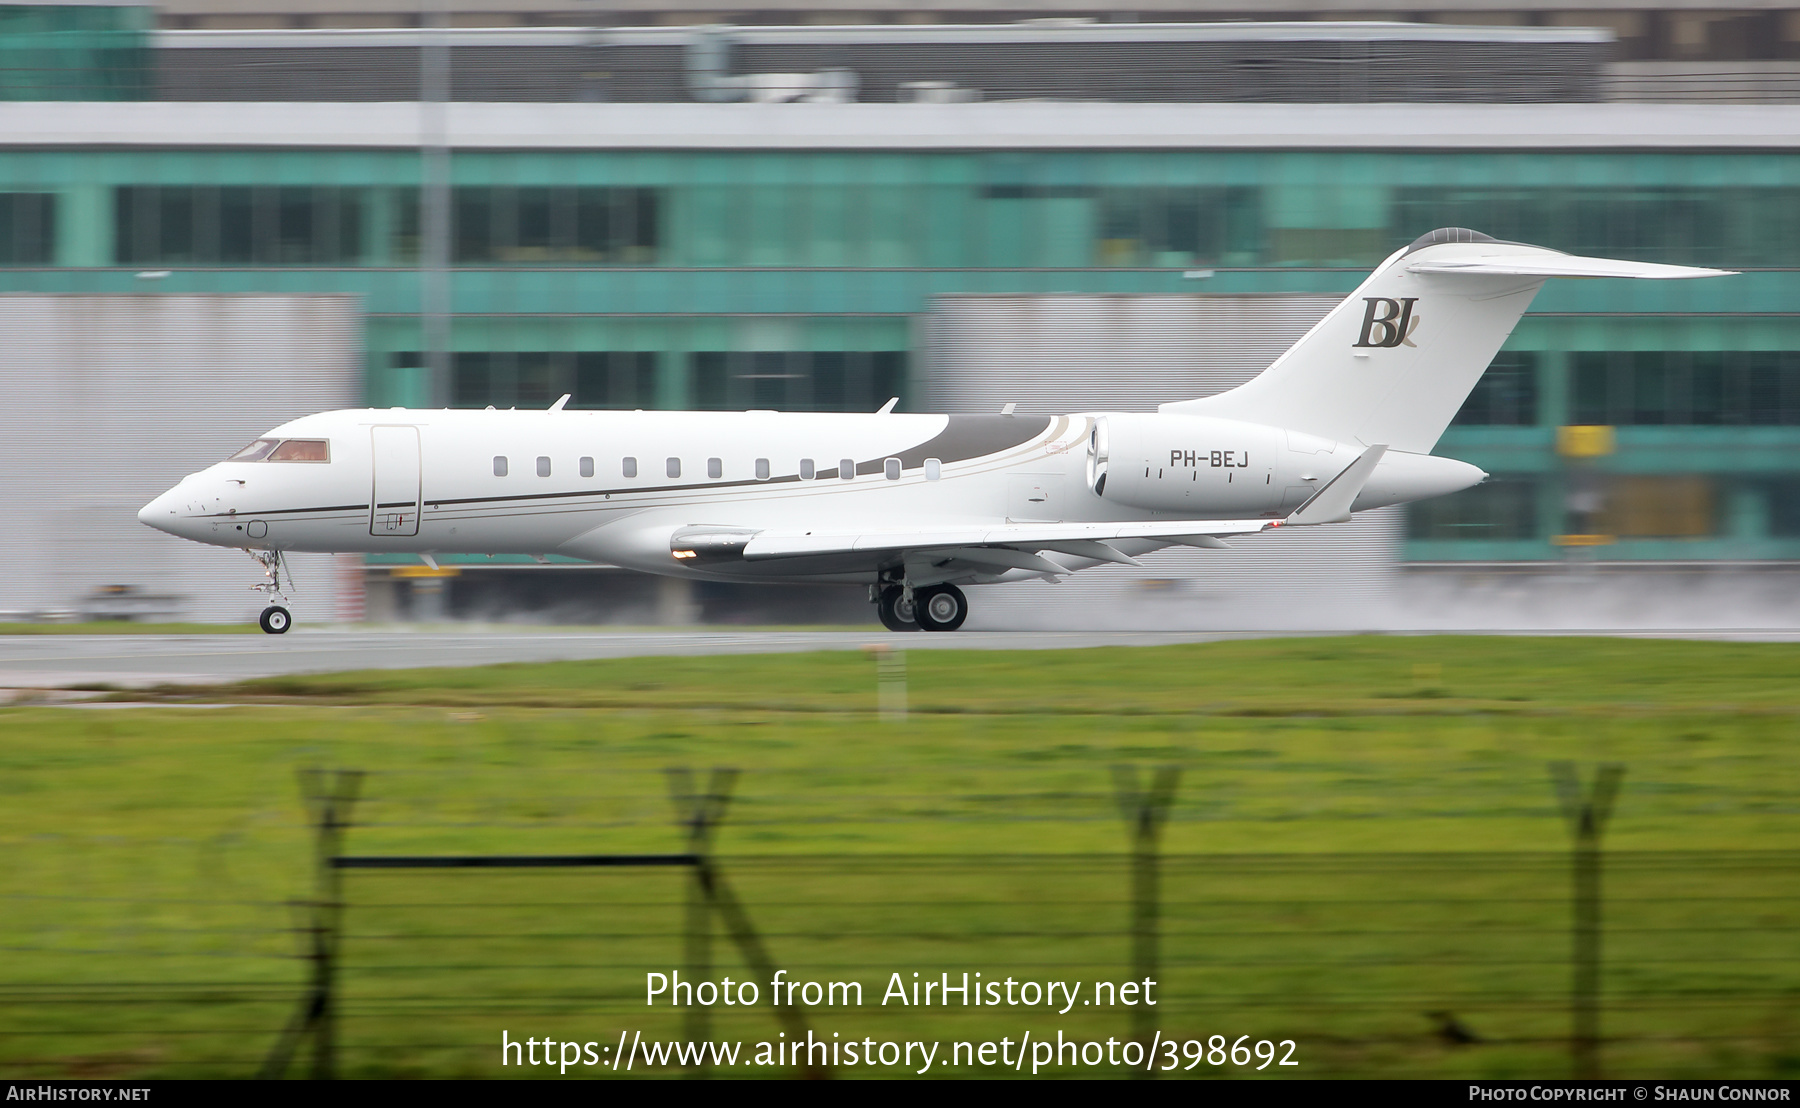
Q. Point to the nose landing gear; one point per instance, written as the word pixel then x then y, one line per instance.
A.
pixel 275 619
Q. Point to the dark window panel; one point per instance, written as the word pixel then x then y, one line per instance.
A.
pixel 711 370
pixel 27 228
pixel 1686 388
pixel 797 380
pixel 1506 395
pixel 238 225
pixel 1178 226
pixel 545 224
pixel 614 379
pixel 471 381
pixel 1784 508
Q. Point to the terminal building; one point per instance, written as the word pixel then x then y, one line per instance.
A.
pixel 779 217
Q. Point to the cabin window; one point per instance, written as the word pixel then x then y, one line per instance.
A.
pixel 806 469
pixel 630 467
pixel 302 450
pixel 499 465
pixel 587 467
pixel 762 469
pixel 933 469
pixel 846 468
pixel 892 468
pixel 715 468
pixel 256 451
pixel 543 467
pixel 673 467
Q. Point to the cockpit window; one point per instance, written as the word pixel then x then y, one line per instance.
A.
pixel 256 451
pixel 302 450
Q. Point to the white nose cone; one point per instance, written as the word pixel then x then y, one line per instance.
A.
pixel 161 513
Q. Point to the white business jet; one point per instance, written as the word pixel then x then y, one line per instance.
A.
pixel 914 506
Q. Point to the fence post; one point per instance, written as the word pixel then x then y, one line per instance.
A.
pixel 1145 812
pixel 709 894
pixel 699 813
pixel 329 799
pixel 1587 816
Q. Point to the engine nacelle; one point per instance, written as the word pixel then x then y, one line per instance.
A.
pixel 1207 468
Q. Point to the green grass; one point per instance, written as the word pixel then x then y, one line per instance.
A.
pixel 127 627
pixel 1358 675
pixel 1365 832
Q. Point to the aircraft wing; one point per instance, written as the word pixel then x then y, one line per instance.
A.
pixel 1543 264
pixel 1026 537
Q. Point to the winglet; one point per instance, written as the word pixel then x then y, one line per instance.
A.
pixel 1331 504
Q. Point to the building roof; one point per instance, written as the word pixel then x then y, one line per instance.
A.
pixel 979 126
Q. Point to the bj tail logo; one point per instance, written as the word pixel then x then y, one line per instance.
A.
pixel 1388 322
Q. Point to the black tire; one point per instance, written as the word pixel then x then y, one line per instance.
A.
pixel 895 611
pixel 275 620
pixel 940 607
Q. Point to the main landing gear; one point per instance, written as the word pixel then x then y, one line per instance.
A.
pixel 275 619
pixel 933 608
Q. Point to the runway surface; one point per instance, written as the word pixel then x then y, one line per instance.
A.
pixel 135 661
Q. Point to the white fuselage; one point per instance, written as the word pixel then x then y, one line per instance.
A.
pixel 613 487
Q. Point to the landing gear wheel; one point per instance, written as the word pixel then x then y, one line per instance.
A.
pixel 940 607
pixel 275 620
pixel 895 610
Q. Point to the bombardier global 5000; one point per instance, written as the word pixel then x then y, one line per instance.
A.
pixel 914 506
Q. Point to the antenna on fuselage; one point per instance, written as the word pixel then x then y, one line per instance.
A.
pixel 558 406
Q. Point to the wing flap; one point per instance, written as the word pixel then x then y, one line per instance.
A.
pixel 1028 536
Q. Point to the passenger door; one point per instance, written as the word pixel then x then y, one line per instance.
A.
pixel 394 493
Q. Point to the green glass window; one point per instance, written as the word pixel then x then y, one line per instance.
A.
pixel 800 225
pixel 1784 508
pixel 1178 227
pixel 1037 226
pixel 27 228
pixel 530 379
pixel 1678 387
pixel 1506 395
pixel 52 51
pixel 513 226
pixel 797 380
pixel 1502 507
pixel 237 225
pixel 615 379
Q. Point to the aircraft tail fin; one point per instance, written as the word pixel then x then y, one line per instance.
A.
pixel 1395 360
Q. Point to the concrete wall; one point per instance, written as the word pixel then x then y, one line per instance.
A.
pixel 109 400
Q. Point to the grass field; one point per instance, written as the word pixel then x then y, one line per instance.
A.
pixel 1365 833
pixel 127 627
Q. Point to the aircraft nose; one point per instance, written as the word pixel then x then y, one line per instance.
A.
pixel 160 513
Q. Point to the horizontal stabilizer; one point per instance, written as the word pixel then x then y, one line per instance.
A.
pixel 1331 504
pixel 1019 536
pixel 1539 263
